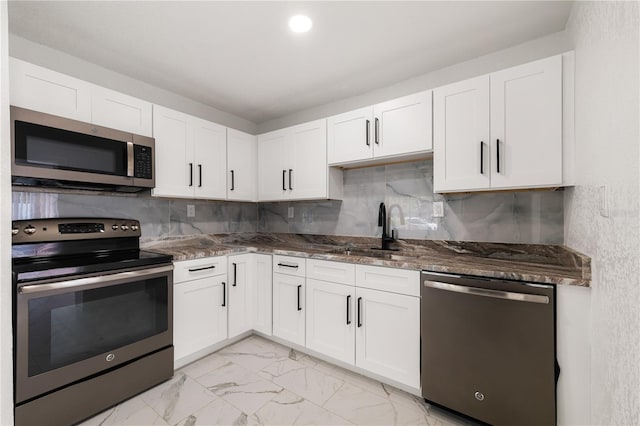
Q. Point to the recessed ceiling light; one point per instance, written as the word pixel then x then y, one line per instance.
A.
pixel 300 24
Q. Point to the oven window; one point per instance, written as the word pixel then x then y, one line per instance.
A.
pixel 47 147
pixel 72 327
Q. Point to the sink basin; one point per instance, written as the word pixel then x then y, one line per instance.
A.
pixel 378 254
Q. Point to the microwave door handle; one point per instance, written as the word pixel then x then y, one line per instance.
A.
pixel 129 159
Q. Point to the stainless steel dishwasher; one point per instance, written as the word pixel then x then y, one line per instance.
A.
pixel 488 348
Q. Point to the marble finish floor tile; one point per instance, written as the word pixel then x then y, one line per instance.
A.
pixel 259 382
pixel 177 398
pixel 291 409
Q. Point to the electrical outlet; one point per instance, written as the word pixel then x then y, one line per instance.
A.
pixel 438 209
pixel 191 210
pixel 290 212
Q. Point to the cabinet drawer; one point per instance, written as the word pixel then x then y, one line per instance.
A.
pixel 199 268
pixel 388 279
pixel 335 272
pixel 289 265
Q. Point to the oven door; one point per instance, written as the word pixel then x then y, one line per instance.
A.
pixel 71 329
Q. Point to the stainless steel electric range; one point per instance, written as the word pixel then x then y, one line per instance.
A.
pixel 92 317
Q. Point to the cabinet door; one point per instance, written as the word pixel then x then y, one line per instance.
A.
pixel 526 125
pixel 288 308
pixel 330 319
pixel 307 174
pixel 388 335
pixel 349 136
pixel 174 153
pixel 403 126
pixel 242 166
pixel 262 298
pixel 461 153
pixel 119 111
pixel 209 159
pixel 199 319
pixel 241 282
pixel 274 161
pixel 41 89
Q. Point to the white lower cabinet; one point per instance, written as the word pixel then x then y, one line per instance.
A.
pixel 374 324
pixel 388 335
pixel 330 319
pixel 288 309
pixel 200 306
pixel 262 294
pixel 360 315
pixel 241 278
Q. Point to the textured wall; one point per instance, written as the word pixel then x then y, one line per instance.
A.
pixel 606 37
pixel 407 190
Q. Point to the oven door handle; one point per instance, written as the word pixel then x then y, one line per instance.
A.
pixel 101 279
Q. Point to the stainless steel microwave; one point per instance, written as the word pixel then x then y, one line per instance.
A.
pixel 53 151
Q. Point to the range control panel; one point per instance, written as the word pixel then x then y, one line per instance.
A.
pixel 64 229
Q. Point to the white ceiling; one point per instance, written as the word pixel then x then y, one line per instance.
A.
pixel 241 58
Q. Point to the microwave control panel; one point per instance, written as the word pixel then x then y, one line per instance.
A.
pixel 143 162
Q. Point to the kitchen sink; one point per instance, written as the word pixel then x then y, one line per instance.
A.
pixel 376 253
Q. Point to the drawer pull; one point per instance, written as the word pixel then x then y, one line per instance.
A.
pixel 286 265
pixel 204 268
pixel 348 313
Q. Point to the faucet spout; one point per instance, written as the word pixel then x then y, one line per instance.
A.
pixel 382 221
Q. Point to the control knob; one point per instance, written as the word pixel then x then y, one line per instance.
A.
pixel 134 227
pixel 14 231
pixel 30 230
pixel 124 227
pixel 114 227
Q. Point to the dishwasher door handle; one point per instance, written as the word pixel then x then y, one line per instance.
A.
pixel 485 292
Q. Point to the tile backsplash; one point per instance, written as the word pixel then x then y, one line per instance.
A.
pixel 406 189
pixel 159 217
pixel 534 217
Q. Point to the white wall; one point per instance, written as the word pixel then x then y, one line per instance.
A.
pixel 6 363
pixel 606 37
pixel 525 52
pixel 56 60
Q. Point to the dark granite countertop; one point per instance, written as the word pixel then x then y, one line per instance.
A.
pixel 524 262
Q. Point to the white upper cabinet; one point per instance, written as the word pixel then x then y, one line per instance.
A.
pixel 119 111
pixel 349 136
pixel 44 90
pixel 48 91
pixel 403 126
pixel 501 131
pixel 209 159
pixel 242 166
pixel 292 164
pixel 190 156
pixel 526 125
pixel 274 156
pixel 396 129
pixel 174 153
pixel 461 135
